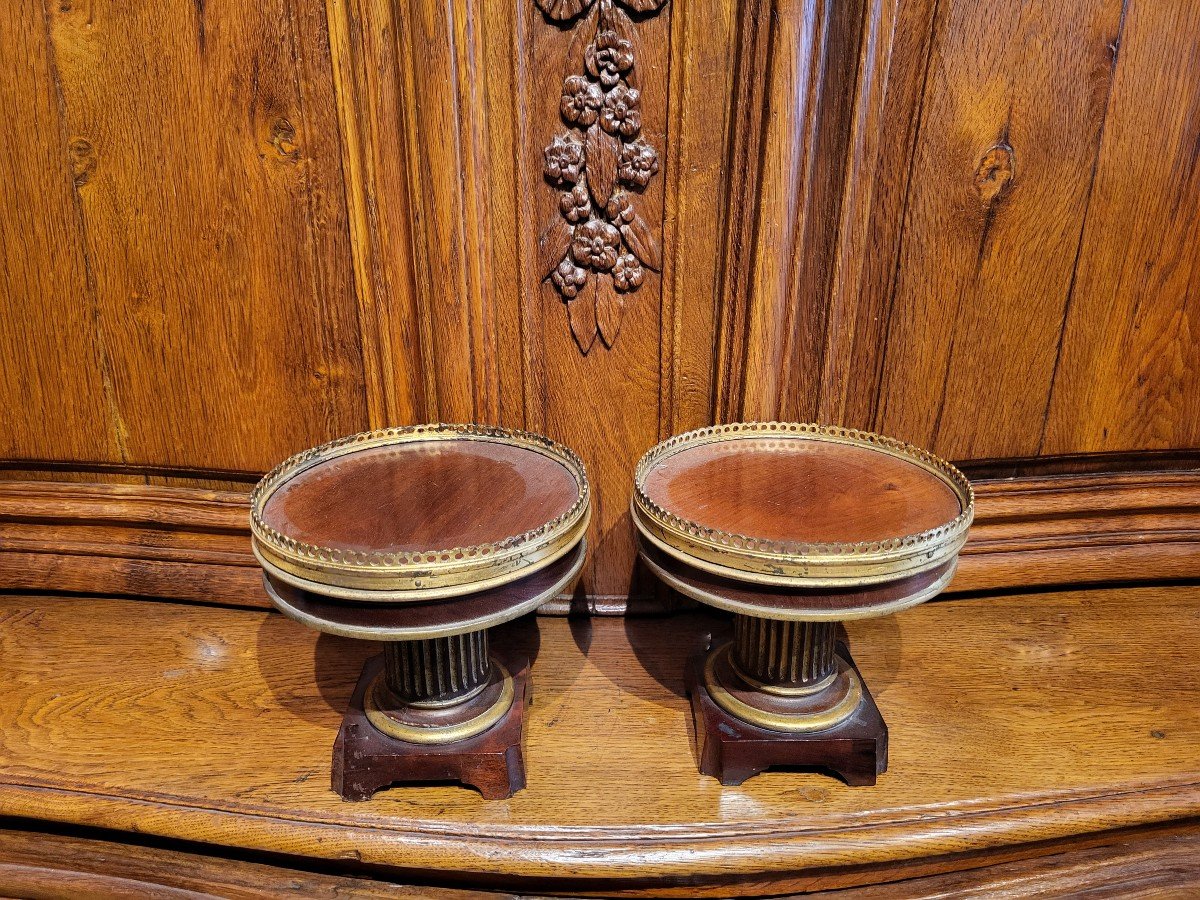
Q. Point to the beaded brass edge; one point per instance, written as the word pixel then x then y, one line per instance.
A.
pixel 423 570
pixel 789 563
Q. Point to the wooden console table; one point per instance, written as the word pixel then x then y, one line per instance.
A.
pixel 1038 740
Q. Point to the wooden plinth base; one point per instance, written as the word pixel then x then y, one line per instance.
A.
pixel 732 750
pixel 366 760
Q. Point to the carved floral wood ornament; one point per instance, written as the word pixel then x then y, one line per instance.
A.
pixel 596 250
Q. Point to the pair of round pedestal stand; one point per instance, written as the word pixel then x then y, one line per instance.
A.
pixel 348 535
pixel 793 529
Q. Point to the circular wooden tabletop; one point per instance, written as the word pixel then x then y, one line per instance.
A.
pixel 419 513
pixel 801 505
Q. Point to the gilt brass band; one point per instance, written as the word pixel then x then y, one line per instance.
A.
pixel 800 565
pixel 456 721
pixel 419 575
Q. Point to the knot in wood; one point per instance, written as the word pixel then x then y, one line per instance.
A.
pixel 994 172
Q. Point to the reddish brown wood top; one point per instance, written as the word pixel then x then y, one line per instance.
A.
pixel 800 490
pixel 422 496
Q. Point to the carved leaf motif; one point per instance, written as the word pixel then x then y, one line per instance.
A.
pixel 641 241
pixel 581 312
pixel 553 243
pixel 581 36
pixel 618 21
pixel 562 10
pixel 602 152
pixel 610 309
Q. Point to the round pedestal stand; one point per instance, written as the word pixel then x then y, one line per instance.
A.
pixel 794 528
pixel 340 532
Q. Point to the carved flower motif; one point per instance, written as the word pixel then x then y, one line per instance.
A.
pixel 620 209
pixel 595 244
pixel 609 57
pixel 627 273
pixel 581 101
pixel 575 203
pixel 639 163
pixel 564 158
pixel 568 278
pixel 621 113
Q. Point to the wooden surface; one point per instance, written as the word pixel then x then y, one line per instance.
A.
pixel 234 233
pixel 801 490
pixel 194 544
pixel 44 866
pixel 423 495
pixel 1011 722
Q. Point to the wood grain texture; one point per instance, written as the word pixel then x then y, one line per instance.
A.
pixel 190 544
pixel 1129 366
pixel 214 226
pixel 51 353
pixel 235 713
pixel 1013 109
pixel 1152 863
pixel 46 866
pixel 234 233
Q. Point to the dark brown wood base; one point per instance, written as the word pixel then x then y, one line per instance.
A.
pixel 732 750
pixel 365 760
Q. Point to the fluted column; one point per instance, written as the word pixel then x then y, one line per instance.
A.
pixel 437 671
pixel 784 654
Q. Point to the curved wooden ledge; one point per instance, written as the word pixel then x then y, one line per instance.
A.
pixel 1014 725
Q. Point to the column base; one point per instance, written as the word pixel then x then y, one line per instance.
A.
pixel 365 760
pixel 731 749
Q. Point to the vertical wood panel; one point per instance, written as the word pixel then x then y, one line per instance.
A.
pixel 367 77
pixel 215 225
pixel 1129 373
pixel 797 69
pixel 56 403
pixel 1014 106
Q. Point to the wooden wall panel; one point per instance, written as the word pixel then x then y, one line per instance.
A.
pixel 214 226
pixel 57 401
pixel 968 224
pixel 1013 107
pixel 1128 376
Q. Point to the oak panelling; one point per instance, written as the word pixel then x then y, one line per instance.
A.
pixel 234 712
pixel 1013 109
pixel 215 225
pixel 605 403
pixel 446 163
pixel 892 67
pixel 697 207
pixel 1129 372
pixel 791 121
pixel 191 544
pixel 399 381
pixel 54 377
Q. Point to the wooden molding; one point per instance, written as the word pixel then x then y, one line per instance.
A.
pixel 193 544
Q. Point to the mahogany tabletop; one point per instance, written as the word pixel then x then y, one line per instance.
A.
pixel 420 512
pixel 796 505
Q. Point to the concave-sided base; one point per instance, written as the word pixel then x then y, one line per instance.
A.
pixel 366 760
pixel 732 750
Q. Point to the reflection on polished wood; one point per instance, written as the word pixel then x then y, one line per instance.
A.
pixel 1015 723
